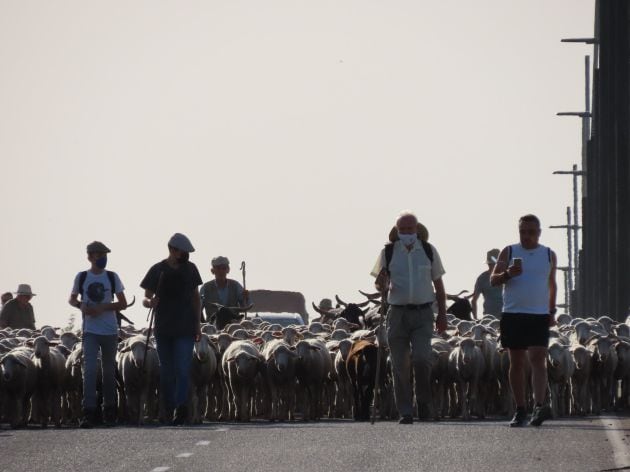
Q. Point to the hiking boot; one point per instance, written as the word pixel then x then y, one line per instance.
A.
pixel 540 414
pixel 87 420
pixel 109 416
pixel 520 417
pixel 406 419
pixel 181 415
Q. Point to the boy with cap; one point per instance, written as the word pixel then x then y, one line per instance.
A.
pixel 221 290
pixel 492 296
pixel 97 288
pixel 170 289
pixel 17 313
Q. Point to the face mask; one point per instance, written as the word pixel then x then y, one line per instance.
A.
pixel 183 258
pixel 408 239
pixel 101 262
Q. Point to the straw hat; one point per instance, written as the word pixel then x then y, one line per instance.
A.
pixel 423 233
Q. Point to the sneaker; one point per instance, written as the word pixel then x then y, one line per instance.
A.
pixel 87 420
pixel 540 414
pixel 181 415
pixel 406 419
pixel 520 417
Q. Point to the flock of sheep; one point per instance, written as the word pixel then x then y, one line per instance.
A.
pixel 329 368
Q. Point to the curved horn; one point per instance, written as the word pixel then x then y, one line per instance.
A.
pixel 460 293
pixel 132 302
pixel 364 304
pixel 371 296
pixel 342 303
pixel 318 309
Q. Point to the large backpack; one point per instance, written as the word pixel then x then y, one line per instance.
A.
pixel 389 253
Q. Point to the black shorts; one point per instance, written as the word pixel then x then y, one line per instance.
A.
pixel 522 330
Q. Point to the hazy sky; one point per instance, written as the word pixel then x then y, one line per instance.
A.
pixel 288 134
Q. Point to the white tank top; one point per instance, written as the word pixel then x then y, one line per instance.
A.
pixel 529 292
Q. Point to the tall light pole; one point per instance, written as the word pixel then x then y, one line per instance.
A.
pixel 569 227
pixel 576 244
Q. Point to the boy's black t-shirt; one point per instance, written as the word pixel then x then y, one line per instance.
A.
pixel 175 314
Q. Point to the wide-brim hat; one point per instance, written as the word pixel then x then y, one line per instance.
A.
pixel 423 233
pixel 492 256
pixel 24 289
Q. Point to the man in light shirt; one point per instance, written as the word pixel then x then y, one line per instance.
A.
pixel 527 271
pixel 409 270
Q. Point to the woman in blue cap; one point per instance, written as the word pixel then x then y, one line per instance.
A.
pixel 171 290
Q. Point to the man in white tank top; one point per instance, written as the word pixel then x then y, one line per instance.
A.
pixel 527 272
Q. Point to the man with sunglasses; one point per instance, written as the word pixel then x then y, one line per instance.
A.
pixel 170 289
pixel 527 271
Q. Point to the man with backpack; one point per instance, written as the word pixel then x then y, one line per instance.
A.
pixel 527 272
pixel 97 288
pixel 407 271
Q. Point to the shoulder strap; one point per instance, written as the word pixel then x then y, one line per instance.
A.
pixel 82 277
pixel 112 281
pixel 389 253
pixel 428 250
pixel 509 248
pixel 549 254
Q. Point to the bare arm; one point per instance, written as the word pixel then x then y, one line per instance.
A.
pixel 197 308
pixel 74 300
pixel 473 304
pixel 502 271
pixel 440 295
pixel 150 300
pixel 553 286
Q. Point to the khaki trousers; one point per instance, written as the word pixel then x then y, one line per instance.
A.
pixel 409 334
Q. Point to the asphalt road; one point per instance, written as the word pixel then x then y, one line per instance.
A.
pixel 585 444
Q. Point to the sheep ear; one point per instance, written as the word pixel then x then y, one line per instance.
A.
pixel 125 349
pixel 53 343
pixel 315 348
pixel 258 341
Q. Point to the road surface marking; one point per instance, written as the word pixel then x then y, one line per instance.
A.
pixel 621 450
pixel 184 454
pixel 202 443
pixel 222 429
pixel 160 469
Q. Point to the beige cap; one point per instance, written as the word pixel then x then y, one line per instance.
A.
pixel 220 260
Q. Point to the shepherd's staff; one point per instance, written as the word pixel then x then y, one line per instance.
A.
pixel 245 297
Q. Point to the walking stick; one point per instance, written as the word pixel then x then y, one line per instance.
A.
pixel 379 359
pixel 245 299
pixel 150 318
